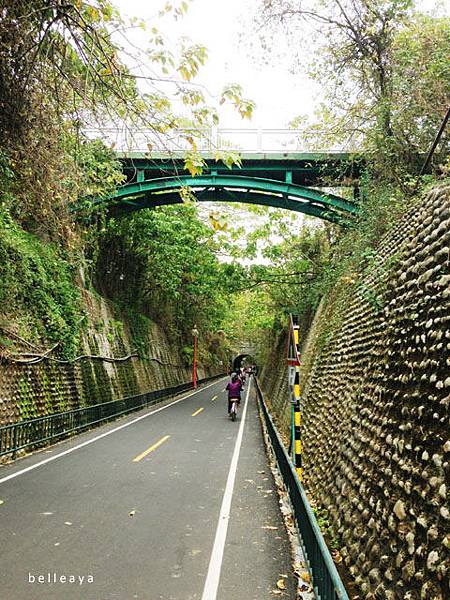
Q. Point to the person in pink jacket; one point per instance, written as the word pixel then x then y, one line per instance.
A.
pixel 234 388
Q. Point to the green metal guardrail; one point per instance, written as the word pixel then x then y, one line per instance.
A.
pixel 41 431
pixel 326 581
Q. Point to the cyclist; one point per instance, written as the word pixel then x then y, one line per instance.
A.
pixel 234 388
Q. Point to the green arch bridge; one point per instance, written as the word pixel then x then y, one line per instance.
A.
pixel 295 181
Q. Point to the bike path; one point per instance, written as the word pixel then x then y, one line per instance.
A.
pixel 257 553
pixel 137 511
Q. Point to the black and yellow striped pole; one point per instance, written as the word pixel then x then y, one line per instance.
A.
pixel 294 380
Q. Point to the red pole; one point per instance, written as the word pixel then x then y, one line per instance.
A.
pixel 194 370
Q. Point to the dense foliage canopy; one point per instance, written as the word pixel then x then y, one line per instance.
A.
pixel 384 77
pixel 65 66
pixel 383 73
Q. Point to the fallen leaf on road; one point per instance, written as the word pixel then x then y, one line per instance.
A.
pixel 277 592
pixel 131 513
pixel 1 501
pixel 305 576
pixel 268 527
pixel 67 523
pixel 281 585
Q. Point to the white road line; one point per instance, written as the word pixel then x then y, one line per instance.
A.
pixel 99 437
pixel 215 563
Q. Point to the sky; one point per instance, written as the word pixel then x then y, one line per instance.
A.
pixel 227 29
pixel 223 27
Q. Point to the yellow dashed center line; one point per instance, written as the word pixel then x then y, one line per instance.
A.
pixel 215 398
pixel 197 412
pixel 144 454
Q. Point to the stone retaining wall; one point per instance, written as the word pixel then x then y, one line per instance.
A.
pixel 28 391
pixel 375 408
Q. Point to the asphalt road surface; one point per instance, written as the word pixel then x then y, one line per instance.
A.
pixel 175 502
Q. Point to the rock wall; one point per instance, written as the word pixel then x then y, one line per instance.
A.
pixel 28 391
pixel 375 408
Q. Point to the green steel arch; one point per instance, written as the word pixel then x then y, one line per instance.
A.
pixel 233 188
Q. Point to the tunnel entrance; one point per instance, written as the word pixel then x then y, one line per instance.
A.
pixel 243 360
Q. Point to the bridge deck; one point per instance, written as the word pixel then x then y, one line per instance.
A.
pixel 292 181
pixel 304 168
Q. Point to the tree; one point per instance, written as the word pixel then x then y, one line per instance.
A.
pixel 64 66
pixel 420 86
pixel 162 262
pixel 384 75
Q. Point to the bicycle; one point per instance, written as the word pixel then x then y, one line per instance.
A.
pixel 234 407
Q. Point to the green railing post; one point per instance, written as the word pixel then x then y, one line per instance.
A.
pixel 325 577
pixel 15 436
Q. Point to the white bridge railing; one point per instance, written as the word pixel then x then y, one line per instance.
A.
pixel 207 140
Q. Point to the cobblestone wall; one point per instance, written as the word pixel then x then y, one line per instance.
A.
pixel 28 391
pixel 376 394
